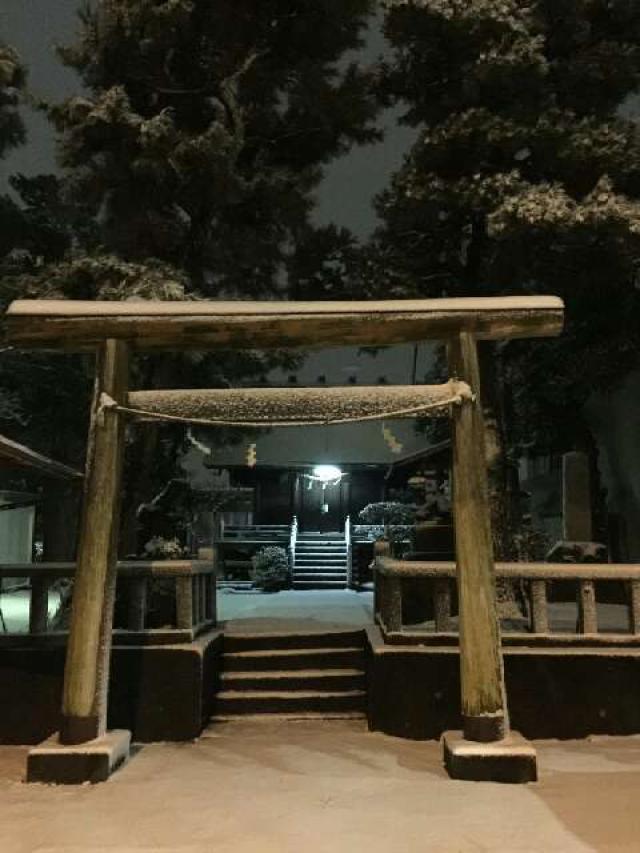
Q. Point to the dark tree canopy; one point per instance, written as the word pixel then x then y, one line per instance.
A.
pixel 206 125
pixel 12 82
pixel 525 178
pixel 190 162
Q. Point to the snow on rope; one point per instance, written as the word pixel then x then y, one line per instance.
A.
pixel 451 393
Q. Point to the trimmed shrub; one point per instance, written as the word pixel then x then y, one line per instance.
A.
pixel 388 513
pixel 270 568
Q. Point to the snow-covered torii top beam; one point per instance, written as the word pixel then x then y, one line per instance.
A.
pixel 83 325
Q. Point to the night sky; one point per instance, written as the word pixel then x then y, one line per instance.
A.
pixel 34 27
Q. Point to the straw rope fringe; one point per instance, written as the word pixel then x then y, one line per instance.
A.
pixel 464 395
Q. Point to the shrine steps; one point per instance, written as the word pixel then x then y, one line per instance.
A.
pixel 292 676
pixel 320 561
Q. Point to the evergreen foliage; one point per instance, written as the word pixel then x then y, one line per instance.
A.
pixel 205 128
pixel 12 83
pixel 387 512
pixel 397 518
pixel 525 177
pixel 270 569
pixel 189 162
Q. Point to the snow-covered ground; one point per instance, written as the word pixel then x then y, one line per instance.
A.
pixel 329 787
pixel 309 609
pixel 300 609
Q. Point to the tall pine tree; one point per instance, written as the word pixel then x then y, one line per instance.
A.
pixel 194 152
pixel 206 126
pixel 525 178
pixel 12 82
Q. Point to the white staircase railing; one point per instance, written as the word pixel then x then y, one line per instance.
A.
pixel 293 538
pixel 347 540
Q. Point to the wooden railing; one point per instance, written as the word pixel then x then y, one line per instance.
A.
pixel 239 543
pixel 267 533
pixel 195 593
pixel 391 575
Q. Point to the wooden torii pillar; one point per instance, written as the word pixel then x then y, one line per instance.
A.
pixel 481 677
pixel 113 329
pixel 84 702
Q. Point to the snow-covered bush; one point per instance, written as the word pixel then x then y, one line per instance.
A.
pixel 158 548
pixel 397 519
pixel 270 568
pixel 388 512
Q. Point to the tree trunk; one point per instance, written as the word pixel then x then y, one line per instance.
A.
pixel 60 512
pixel 586 443
pixel 140 482
pixel 144 458
pixel 502 477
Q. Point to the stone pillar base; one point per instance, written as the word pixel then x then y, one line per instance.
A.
pixel 512 759
pixel 93 761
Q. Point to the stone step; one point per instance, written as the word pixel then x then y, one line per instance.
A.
pixel 278 702
pixel 320 561
pixel 261 660
pixel 331 559
pixel 316 584
pixel 286 716
pixel 319 556
pixel 320 566
pixel 285 640
pixel 320 540
pixel 319 680
pixel 330 577
pixel 319 574
pixel 313 568
pixel 301 556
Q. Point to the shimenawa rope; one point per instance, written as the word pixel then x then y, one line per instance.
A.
pixel 464 394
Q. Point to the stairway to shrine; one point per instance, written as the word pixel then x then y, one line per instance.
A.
pixel 320 561
pixel 293 676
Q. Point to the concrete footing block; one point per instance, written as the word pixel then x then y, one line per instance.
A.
pixel 93 761
pixel 512 759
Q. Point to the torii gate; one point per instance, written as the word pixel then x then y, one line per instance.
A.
pixel 115 330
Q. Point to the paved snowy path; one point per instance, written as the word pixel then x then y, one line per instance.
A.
pixel 326 788
pixel 295 609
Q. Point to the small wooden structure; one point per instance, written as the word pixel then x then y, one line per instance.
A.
pixel 16 455
pixel 13 454
pixel 115 330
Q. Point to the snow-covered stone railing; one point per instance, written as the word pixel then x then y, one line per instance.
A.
pixel 195 595
pixel 390 574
